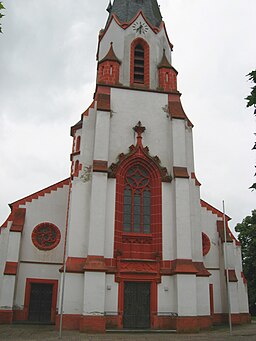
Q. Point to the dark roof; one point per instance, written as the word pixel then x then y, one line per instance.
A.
pixel 110 56
pixel 125 10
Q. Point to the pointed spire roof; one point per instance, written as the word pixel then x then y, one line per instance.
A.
pixel 125 10
pixel 110 56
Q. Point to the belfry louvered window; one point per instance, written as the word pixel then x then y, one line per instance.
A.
pixel 139 64
pixel 137 201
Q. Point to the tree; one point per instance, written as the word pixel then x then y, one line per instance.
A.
pixel 247 237
pixel 251 101
pixel 1 15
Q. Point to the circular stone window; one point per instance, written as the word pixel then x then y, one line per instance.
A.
pixel 206 244
pixel 46 236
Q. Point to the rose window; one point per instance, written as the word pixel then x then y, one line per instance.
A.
pixel 46 236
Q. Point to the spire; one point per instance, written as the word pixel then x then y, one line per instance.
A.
pixel 164 62
pixel 125 10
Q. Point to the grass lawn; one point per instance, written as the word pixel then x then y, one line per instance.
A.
pixel 254 318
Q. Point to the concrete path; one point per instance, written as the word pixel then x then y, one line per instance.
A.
pixel 48 333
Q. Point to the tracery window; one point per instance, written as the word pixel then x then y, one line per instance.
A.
pixel 137 201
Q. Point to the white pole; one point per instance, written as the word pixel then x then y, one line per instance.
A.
pixel 226 268
pixel 65 262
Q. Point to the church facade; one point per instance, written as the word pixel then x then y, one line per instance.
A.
pixel 140 247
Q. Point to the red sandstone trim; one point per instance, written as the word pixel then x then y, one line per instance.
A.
pixel 180 172
pixel 11 268
pixel 6 316
pixel 69 321
pixel 193 176
pixel 100 166
pixel 93 324
pixel 243 278
pixel 40 193
pixel 29 281
pixel 232 275
pixel 95 263
pixel 18 221
pixel 214 210
pixel 103 102
pixel 145 45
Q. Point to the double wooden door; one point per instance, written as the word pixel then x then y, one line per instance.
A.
pixel 136 305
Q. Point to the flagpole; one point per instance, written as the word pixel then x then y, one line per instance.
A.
pixel 64 261
pixel 226 268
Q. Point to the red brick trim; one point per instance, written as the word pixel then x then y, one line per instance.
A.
pixel 76 127
pixel 69 321
pixel 220 229
pixel 214 210
pixel 18 220
pixel 40 193
pixel 211 294
pixel 100 166
pixel 176 111
pixel 74 265
pixel 180 172
pixel 202 271
pixel 193 176
pixel 6 316
pixel 95 263
pixel 74 154
pixel 11 268
pixel 93 324
pixel 231 275
pixel 184 266
pixel 103 102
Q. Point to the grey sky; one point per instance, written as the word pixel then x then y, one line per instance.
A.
pixel 47 79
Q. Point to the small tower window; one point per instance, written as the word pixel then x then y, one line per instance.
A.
pixel 139 64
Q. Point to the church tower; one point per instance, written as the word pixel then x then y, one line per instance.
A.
pixel 142 250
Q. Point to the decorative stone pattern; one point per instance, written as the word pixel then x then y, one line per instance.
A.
pixel 46 236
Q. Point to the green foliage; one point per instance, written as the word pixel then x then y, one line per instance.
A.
pixel 247 237
pixel 251 99
pixel 1 15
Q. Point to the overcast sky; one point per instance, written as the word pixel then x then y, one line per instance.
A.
pixel 47 79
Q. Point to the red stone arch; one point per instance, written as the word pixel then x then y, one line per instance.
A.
pixel 145 46
pixel 139 245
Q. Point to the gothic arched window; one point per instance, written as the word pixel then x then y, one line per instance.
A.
pixel 139 63
pixel 137 200
pixel 139 71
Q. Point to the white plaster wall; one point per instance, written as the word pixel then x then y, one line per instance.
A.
pixel 203 296
pixel 122 40
pixel 77 243
pixel 110 218
pixel 49 208
pixel 101 146
pixel 167 296
pixel 29 270
pixel 168 222
pixel 186 295
pixel 242 287
pixel 234 302
pixel 148 108
pixel 196 227
pixel 73 294
pixel 98 214
pixel 7 291
pixel 183 219
pixel 179 143
pixel 111 296
pixel 13 247
pixel 3 251
pixel 209 227
pixel 94 293
pixel 87 138
pixel 219 298
pixel 189 148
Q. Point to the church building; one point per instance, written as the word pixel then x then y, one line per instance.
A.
pixel 125 242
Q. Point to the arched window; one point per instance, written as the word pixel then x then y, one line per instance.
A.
pixel 139 64
pixel 137 200
pixel 139 69
pixel 78 142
